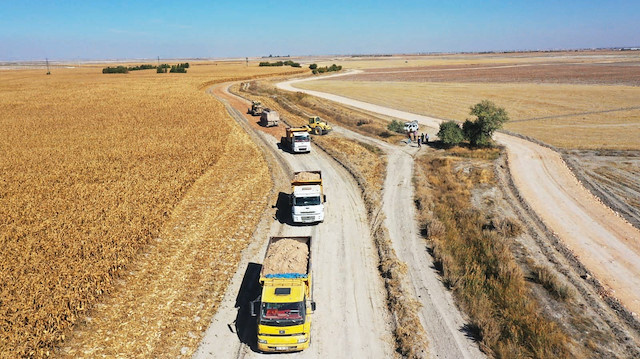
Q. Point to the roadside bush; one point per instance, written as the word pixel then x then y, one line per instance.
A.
pixel 267 63
pixel 115 70
pixel 321 70
pixel 450 133
pixel 396 126
pixel 141 67
pixel 313 66
pixel 178 69
pixel 489 118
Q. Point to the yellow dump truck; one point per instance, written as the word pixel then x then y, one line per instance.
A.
pixel 286 304
pixel 296 139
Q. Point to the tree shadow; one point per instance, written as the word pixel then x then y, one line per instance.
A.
pixel 472 332
pixel 246 325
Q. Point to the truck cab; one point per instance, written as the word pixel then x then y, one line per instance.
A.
pixel 301 142
pixel 284 318
pixel 307 204
pixel 297 139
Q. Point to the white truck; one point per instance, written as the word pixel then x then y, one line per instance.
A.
pixel 296 140
pixel 307 197
pixel 269 118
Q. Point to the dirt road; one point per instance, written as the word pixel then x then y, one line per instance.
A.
pixel 439 316
pixel 608 246
pixel 351 319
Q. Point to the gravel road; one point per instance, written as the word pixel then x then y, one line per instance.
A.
pixel 606 244
pixel 351 319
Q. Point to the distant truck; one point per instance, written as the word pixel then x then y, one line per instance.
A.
pixel 296 139
pixel 307 197
pixel 318 126
pixel 285 307
pixel 256 108
pixel 269 118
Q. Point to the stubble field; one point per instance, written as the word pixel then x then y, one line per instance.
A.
pixel 579 102
pixel 105 180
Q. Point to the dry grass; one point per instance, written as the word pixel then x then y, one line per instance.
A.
pixel 472 251
pixel 547 278
pixel 94 168
pixel 558 114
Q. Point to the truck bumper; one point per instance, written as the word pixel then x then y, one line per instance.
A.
pixel 281 344
pixel 302 149
pixel 308 218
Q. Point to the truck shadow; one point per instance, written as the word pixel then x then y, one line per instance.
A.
pixel 283 209
pixel 284 148
pixel 246 325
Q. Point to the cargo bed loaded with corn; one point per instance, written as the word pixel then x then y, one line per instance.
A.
pixel 307 197
pixel 285 306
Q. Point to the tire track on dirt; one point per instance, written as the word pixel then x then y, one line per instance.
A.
pixel 351 319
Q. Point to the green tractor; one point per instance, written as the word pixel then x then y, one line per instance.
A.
pixel 318 126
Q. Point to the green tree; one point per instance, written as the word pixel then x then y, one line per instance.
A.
pixel 489 118
pixel 450 133
pixel 313 66
pixel 396 126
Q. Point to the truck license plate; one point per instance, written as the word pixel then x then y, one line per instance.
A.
pixel 282 348
pixel 307 219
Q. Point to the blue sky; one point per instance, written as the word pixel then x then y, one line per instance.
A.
pixel 33 30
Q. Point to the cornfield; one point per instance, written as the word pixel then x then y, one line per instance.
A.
pixel 99 174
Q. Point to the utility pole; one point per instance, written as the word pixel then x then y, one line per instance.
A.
pixel 48 72
pixel 247 59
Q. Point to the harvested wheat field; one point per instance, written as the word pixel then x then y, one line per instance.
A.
pixel 115 215
pixel 578 102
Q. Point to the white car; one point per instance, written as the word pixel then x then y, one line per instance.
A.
pixel 411 126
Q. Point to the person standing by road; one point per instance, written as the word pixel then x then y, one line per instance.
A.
pixel 419 142
pixel 426 137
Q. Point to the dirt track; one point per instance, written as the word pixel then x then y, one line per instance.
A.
pixel 607 245
pixel 351 319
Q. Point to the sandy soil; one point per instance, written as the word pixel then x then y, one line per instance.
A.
pixel 351 319
pixel 607 245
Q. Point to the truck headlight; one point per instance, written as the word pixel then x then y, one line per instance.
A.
pixel 302 340
pixel 262 341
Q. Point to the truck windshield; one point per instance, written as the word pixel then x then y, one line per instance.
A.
pixel 306 201
pixel 301 138
pixel 282 314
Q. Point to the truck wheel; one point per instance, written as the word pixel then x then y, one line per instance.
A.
pixel 317 130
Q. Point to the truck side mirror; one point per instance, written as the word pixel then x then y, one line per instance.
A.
pixel 313 306
pixel 325 198
pixel 255 308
